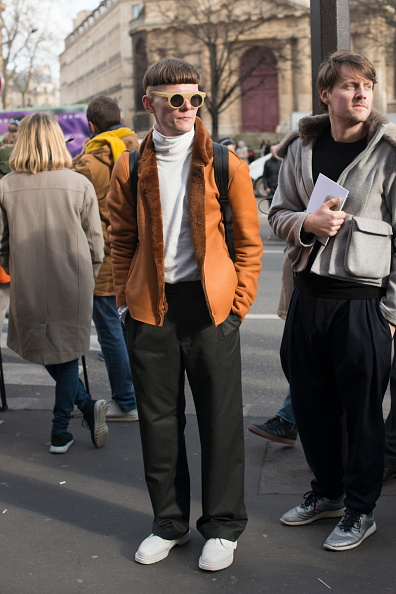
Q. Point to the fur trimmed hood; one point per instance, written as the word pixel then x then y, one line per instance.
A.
pixel 313 126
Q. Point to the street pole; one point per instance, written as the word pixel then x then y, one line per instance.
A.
pixel 330 31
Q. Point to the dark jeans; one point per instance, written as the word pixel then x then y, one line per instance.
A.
pixel 112 341
pixel 336 354
pixel 160 357
pixel 69 391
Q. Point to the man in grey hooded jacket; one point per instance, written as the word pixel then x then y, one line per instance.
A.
pixel 336 347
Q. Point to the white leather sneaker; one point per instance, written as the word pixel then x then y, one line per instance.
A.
pixel 154 548
pixel 217 554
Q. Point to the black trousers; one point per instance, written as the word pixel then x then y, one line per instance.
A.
pixel 336 355
pixel 390 425
pixel 160 357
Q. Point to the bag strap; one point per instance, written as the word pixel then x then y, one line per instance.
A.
pixel 222 176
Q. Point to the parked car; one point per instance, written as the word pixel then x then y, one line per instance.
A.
pixel 256 173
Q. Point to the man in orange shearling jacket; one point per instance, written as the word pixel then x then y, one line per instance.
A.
pixel 183 300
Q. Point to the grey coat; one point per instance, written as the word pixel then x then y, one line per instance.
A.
pixel 51 242
pixel 363 250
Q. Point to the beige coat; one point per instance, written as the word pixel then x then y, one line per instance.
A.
pixel 51 243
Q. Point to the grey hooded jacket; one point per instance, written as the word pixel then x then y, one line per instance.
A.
pixel 363 250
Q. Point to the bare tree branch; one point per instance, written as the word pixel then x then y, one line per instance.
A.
pixel 225 30
pixel 26 38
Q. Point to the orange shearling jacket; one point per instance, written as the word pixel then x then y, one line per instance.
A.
pixel 137 244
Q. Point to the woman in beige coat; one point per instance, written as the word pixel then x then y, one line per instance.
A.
pixel 51 243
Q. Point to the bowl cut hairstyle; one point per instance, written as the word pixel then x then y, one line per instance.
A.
pixel 103 112
pixel 330 70
pixel 170 71
pixel 40 145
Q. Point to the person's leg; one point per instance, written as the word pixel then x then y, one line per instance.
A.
pixel 4 301
pixel 286 411
pixel 361 358
pixel 317 408
pixel 362 361
pixel 279 428
pixel 213 363
pixel 69 391
pixel 390 429
pixel 158 377
pixel 360 355
pixel 112 341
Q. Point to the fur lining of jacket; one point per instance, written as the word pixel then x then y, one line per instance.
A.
pixel 313 126
pixel 149 183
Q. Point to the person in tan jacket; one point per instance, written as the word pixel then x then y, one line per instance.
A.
pixel 184 300
pixel 52 246
pixel 109 139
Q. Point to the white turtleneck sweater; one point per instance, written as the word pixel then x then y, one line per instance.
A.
pixel 174 154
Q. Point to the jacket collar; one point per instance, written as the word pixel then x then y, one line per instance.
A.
pixel 312 127
pixel 202 147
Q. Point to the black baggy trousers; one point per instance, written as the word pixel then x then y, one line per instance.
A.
pixel 160 357
pixel 390 425
pixel 336 355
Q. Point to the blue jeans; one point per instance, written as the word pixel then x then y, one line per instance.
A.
pixel 286 412
pixel 69 391
pixel 112 339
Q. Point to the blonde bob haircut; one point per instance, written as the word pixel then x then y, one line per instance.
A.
pixel 40 145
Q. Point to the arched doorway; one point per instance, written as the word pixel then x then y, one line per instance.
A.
pixel 260 101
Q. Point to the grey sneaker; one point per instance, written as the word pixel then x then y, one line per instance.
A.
pixel 115 413
pixel 350 531
pixel 314 508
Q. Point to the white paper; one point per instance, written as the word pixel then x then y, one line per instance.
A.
pixel 325 187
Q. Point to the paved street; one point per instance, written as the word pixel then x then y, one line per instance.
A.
pixel 71 524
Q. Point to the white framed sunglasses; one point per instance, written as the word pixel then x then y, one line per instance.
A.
pixel 177 100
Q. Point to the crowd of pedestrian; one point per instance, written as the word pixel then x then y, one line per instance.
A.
pixel 136 238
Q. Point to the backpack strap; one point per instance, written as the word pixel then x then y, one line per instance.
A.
pixel 222 176
pixel 133 172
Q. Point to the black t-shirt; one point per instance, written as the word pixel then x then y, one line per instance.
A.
pixel 331 158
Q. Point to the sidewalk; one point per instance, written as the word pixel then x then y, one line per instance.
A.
pixel 72 523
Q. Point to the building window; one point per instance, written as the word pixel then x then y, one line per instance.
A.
pixel 135 11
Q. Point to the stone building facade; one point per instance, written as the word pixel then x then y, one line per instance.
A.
pixel 111 47
pixel 97 59
pixel 34 87
pixel 280 85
